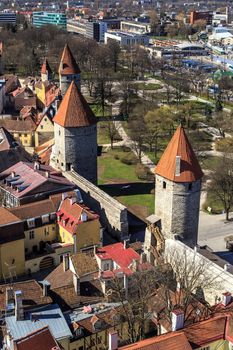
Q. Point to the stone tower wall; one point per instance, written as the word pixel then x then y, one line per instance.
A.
pixel 178 207
pixel 65 81
pixel 76 148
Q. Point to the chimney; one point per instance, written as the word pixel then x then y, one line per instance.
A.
pixel 126 285
pixel 65 262
pixel 143 258
pixel 84 216
pixel 9 295
pixel 177 319
pixel 178 164
pixel 46 288
pixel 19 315
pixel 47 174
pixel 126 243
pixel 64 196
pixel 113 340
pixel 36 166
pixel 13 174
pixel 226 298
pixel 135 264
pixel 226 267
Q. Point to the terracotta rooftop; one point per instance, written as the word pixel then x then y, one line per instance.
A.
pixel 7 141
pixel 41 339
pixel 70 215
pixel 33 210
pixel 18 125
pixel 116 252
pixel 179 146
pixel 169 341
pixel 45 68
pixel 68 64
pixel 6 217
pixel 84 264
pixel 74 110
pixel 32 294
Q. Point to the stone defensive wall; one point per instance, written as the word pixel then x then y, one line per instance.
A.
pixel 113 215
pixel 217 271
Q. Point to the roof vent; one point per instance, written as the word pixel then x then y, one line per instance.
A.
pixel 178 165
pixel 84 216
pixel 36 166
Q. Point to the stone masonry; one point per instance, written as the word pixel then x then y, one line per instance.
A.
pixel 113 215
pixel 177 205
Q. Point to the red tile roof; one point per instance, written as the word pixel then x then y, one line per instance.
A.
pixel 205 332
pixel 190 169
pixel 74 110
pixel 41 339
pixel 170 341
pixel 69 215
pixel 116 252
pixel 68 64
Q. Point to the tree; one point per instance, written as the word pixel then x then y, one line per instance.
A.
pixel 114 52
pixel 193 279
pixel 154 21
pixel 133 297
pixel 137 130
pixel 158 121
pixel 221 185
pixel 112 130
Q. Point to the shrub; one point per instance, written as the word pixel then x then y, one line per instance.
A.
pixel 116 156
pixel 142 171
pixel 128 159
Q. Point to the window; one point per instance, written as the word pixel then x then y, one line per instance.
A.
pixel 45 119
pixel 41 126
pixel 80 348
pixel 31 223
pixel 205 348
pixel 190 187
pixel 46 232
pixel 31 235
pixel 45 218
pixel 164 185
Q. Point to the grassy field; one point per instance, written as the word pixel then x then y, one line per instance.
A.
pixel 112 170
pixel 120 181
pixel 149 86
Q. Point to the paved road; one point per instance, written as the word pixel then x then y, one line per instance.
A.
pixel 213 229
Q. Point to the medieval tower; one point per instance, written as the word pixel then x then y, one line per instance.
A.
pixel 177 191
pixel 68 71
pixel 46 71
pixel 75 136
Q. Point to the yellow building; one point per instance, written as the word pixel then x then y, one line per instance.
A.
pixel 44 131
pixel 22 130
pixel 12 260
pixel 78 225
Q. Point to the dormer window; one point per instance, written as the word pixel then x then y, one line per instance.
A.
pixel 31 223
pixel 45 218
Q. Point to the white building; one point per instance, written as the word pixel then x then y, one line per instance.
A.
pixel 126 39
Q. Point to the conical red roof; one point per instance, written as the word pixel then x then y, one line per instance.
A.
pixel 180 146
pixel 74 110
pixel 45 68
pixel 68 65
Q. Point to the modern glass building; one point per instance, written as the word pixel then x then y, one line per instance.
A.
pixel 40 19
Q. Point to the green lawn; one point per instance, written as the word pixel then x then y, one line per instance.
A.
pixel 97 109
pixel 102 135
pixel 143 204
pixel 113 170
pixel 149 86
pixel 209 163
pixel 214 203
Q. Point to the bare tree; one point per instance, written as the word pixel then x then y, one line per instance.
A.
pixel 221 185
